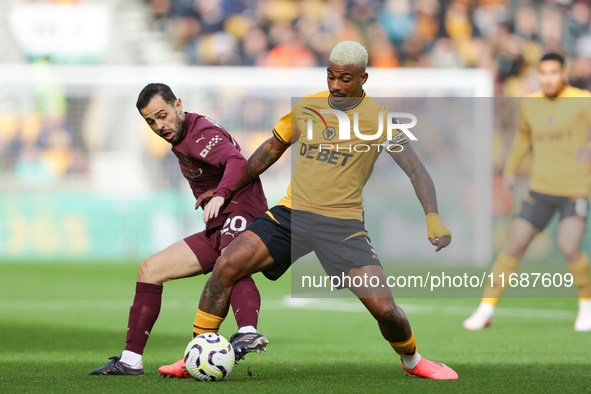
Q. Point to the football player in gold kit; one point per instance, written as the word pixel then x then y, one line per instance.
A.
pixel 554 125
pixel 323 209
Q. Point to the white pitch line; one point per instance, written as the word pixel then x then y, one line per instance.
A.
pixel 285 302
pixel 421 309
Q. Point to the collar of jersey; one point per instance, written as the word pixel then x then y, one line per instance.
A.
pixel 350 107
pixel 559 94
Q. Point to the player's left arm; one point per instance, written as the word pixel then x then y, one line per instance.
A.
pixel 410 163
pixel 218 151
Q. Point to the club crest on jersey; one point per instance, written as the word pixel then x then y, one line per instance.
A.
pixel 345 126
pixel 329 133
pixel 210 145
pixel 186 160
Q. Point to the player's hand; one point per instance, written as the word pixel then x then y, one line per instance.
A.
pixel 212 208
pixel 510 181
pixel 583 155
pixel 205 196
pixel 437 233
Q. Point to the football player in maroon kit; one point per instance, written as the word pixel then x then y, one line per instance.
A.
pixel 209 159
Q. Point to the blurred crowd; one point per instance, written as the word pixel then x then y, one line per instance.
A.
pixel 505 37
pixel 40 143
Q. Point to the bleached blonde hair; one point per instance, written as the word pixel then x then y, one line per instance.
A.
pixel 349 52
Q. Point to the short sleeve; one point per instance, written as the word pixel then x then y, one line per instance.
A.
pixel 398 136
pixel 282 129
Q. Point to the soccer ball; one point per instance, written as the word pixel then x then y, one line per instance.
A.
pixel 209 357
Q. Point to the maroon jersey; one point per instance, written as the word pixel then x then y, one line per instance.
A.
pixel 210 159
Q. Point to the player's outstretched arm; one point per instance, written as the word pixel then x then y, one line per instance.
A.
pixel 410 163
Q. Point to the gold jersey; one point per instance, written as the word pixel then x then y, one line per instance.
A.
pixel 329 171
pixel 554 128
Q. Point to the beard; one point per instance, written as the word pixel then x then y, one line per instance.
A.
pixel 178 131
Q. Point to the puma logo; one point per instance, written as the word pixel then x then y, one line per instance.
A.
pixel 227 232
pixel 202 138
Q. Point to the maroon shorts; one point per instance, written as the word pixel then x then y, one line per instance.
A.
pixel 207 244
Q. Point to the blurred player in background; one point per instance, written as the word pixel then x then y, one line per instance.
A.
pixel 555 127
pixel 323 211
pixel 209 159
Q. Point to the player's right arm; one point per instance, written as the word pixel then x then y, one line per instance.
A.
pixel 270 151
pixel 520 147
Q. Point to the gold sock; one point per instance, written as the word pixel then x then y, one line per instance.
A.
pixel 407 348
pixel 504 264
pixel 580 271
pixel 204 322
pixel 491 301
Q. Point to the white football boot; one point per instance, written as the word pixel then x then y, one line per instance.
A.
pixel 481 318
pixel 583 322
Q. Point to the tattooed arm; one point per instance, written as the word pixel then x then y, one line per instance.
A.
pixel 268 153
pixel 407 159
pixel 419 177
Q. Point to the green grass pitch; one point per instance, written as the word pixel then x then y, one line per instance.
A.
pixel 59 321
